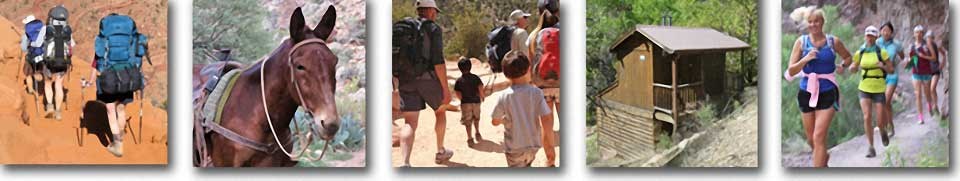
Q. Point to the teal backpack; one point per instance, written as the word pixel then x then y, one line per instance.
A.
pixel 120 50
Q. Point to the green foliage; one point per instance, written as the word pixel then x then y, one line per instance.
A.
pixel 892 157
pixel 465 23
pixel 935 152
pixel 230 24
pixel 846 124
pixel 350 138
pixel 593 150
pixel 608 20
pixel 706 114
pixel 664 141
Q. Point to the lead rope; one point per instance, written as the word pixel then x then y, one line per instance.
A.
pixel 263 98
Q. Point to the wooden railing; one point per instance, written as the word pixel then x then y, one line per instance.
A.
pixel 688 95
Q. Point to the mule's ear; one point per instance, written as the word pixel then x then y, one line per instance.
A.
pixel 325 27
pixel 297 26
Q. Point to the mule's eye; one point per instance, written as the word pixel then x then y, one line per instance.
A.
pixel 300 67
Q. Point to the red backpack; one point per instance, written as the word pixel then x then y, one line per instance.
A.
pixel 549 67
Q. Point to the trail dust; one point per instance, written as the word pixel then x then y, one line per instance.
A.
pixel 488 152
pixel 909 141
pixel 26 137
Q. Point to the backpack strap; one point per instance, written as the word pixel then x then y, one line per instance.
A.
pixel 878 53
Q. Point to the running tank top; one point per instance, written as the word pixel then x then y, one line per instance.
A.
pixel 823 64
pixel 921 66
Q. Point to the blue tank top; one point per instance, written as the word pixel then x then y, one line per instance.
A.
pixel 823 64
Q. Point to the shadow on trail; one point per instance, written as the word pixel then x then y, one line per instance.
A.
pixel 94 119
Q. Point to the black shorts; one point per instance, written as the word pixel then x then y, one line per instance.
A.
pixel 827 100
pixel 123 98
pixel 420 92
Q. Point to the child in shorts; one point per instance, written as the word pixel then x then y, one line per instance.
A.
pixel 520 108
pixel 469 90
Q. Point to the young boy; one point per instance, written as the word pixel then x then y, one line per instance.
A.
pixel 520 109
pixel 469 89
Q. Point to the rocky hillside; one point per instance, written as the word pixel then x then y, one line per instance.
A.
pixel 904 14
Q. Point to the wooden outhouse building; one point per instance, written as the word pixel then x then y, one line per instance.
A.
pixel 664 74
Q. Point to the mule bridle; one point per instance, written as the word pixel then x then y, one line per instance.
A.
pixel 303 103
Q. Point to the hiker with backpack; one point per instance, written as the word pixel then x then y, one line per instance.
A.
pixel 421 76
pixel 937 65
pixel 34 50
pixel 813 61
pixel 506 38
pixel 895 51
pixel 874 64
pixel 119 52
pixel 58 43
pixel 544 51
pixel 920 60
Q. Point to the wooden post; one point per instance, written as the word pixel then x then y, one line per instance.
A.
pixel 674 99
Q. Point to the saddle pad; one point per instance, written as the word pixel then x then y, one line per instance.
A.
pixel 213 106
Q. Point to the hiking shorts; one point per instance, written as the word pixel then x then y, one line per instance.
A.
pixel 47 71
pixel 123 98
pixel 876 97
pixel 521 159
pixel 827 100
pixel 471 113
pixel 922 77
pixel 419 91
pixel 892 79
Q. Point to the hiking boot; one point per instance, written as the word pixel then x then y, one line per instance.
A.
pixel 871 153
pixel 470 142
pixel 116 149
pixel 49 111
pixel 444 156
pixel 56 115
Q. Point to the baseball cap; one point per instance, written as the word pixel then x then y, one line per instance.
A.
pixel 517 14
pixel 29 18
pixel 871 30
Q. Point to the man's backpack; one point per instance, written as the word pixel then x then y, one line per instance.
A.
pixel 57 40
pixel 410 48
pixel 120 50
pixel 32 31
pixel 498 45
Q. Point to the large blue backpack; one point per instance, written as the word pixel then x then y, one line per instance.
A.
pixel 32 30
pixel 120 50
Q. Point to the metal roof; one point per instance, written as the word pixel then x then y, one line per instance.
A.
pixel 675 39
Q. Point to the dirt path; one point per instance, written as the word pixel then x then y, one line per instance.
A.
pixel 486 153
pixel 46 141
pixel 730 143
pixel 910 139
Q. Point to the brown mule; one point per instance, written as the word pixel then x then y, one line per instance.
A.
pixel 300 72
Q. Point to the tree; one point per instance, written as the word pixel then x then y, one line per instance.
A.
pixel 236 25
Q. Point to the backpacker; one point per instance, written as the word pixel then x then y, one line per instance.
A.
pixel 57 40
pixel 32 31
pixel 498 45
pixel 878 52
pixel 410 48
pixel 548 68
pixel 120 50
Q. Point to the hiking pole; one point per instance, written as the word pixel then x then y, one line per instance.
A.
pixel 141 117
